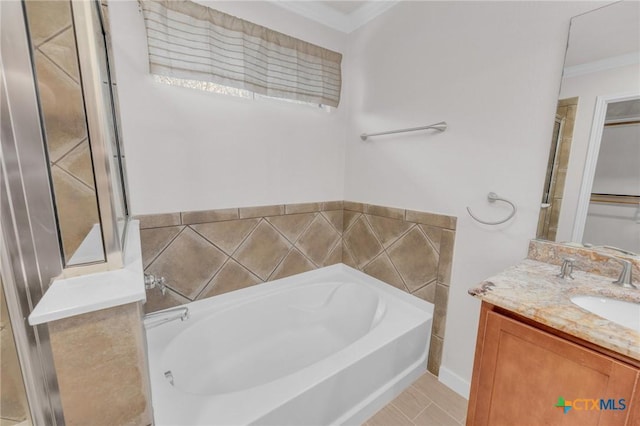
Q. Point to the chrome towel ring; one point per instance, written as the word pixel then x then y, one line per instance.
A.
pixel 493 197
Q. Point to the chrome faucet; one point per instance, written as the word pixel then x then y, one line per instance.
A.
pixel 151 281
pixel 625 279
pixel 567 268
pixel 155 319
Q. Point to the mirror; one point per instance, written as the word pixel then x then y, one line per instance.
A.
pixel 67 142
pixel 592 185
pixel 71 50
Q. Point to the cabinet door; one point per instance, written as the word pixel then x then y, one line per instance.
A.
pixel 523 371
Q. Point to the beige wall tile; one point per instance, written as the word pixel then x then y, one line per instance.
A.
pixel 227 235
pixel 77 209
pixel 439 220
pixel 78 163
pixel 303 208
pixel 156 301
pixel 158 220
pixel 294 263
pixel 353 206
pixel 263 250
pixel 154 240
pixel 415 259
pixel 292 225
pixel 362 243
pixel 347 257
pixel 332 205
pixel 204 216
pixel 188 263
pixel 440 310
pixel 62 50
pixel 434 234
pixel 446 256
pixel 390 212
pixel 318 240
pixel 348 219
pixel 387 230
pixel 335 256
pixel 382 269
pixel 435 355
pixel 101 367
pixel 232 276
pixel 47 18
pixel 428 292
pixel 261 211
pixel 62 106
pixel 335 218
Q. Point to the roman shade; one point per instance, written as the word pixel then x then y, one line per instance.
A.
pixel 189 41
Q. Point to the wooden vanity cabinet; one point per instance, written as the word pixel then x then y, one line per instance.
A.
pixel 522 369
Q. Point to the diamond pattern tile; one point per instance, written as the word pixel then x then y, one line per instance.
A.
pixel 188 263
pixel 263 250
pixel 387 230
pixel 78 163
pixel 415 259
pixel 232 276
pixel 382 269
pixel 335 218
pixel 63 108
pixel 362 243
pixel 292 225
pixel 154 240
pixel 318 240
pixel 227 235
pixel 62 50
pixel 294 263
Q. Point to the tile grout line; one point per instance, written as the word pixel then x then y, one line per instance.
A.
pixel 165 247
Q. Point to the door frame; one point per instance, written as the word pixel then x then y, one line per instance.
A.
pixel 593 149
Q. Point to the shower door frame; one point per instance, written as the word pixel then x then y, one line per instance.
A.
pixel 30 255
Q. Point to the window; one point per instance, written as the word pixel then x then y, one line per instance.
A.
pixel 195 46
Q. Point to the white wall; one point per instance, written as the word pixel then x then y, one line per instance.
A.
pixel 492 71
pixel 189 150
pixel 588 87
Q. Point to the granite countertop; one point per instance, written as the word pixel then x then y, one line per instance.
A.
pixel 532 290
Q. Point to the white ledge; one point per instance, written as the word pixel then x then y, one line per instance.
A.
pixel 67 297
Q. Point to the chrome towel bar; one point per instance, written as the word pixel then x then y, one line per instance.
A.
pixel 441 127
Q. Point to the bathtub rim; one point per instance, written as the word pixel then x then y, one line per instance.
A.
pixel 327 273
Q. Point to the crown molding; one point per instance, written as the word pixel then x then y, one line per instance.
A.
pixel 602 65
pixel 331 18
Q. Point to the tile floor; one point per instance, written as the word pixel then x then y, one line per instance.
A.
pixel 427 402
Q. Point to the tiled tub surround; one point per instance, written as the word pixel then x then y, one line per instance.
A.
pixel 205 253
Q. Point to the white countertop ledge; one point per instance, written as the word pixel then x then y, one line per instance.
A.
pixel 67 297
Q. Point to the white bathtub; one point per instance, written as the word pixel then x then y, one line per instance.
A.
pixel 330 346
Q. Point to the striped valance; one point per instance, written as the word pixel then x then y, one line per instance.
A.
pixel 189 41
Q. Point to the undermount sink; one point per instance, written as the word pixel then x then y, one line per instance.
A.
pixel 627 314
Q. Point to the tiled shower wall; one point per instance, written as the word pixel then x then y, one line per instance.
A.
pixel 60 94
pixel 202 254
